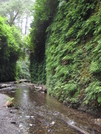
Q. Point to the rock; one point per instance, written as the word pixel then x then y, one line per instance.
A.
pixel 28 117
pixel 10 111
pixel 49 130
pixel 3 85
pixel 13 111
pixel 20 126
pixel 53 122
pixel 30 125
pixel 8 104
pixel 32 117
pixel 97 121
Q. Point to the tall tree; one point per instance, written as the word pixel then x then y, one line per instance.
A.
pixel 15 10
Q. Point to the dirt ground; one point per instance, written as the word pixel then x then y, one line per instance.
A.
pixel 8 118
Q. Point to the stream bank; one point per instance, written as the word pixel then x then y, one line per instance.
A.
pixel 8 118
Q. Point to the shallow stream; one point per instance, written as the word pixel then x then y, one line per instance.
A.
pixel 42 114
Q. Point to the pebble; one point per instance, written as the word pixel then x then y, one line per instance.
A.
pixel 20 125
pixel 49 130
pixel 53 122
pixel 27 117
pixel 30 125
pixel 32 117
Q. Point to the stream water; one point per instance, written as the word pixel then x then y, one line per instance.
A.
pixel 41 114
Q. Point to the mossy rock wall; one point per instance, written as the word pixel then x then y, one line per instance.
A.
pixel 37 70
pixel 73 52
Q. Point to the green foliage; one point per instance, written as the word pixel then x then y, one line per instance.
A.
pixel 93 93
pixel 9 51
pixel 10 99
pixel 44 11
pixel 23 68
pixel 73 49
pixel 37 70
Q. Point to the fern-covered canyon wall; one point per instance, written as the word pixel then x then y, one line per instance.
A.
pixel 72 43
pixel 44 11
pixel 10 42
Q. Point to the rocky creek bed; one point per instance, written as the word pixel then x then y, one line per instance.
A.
pixel 37 113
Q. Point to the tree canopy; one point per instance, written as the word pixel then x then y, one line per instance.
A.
pixel 15 10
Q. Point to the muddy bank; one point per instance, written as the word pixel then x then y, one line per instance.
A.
pixel 8 118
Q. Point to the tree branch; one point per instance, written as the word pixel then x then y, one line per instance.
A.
pixel 14 18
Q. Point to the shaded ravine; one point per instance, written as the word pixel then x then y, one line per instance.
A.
pixel 42 114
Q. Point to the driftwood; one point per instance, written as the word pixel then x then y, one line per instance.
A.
pixel 41 88
pixel 71 125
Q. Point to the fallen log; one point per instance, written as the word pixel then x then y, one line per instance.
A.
pixel 71 125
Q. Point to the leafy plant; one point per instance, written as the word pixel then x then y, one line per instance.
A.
pixel 10 99
pixel 93 93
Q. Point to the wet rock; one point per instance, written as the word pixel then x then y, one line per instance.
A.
pixel 13 91
pixel 13 111
pixel 42 92
pixel 97 121
pixel 41 88
pixel 8 104
pixel 53 122
pixel 20 126
pixel 84 109
pixel 10 111
pixel 3 85
pixel 28 117
pixel 32 117
pixel 49 130
pixel 8 88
